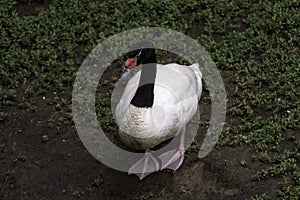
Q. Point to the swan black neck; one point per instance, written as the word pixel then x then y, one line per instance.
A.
pixel 144 96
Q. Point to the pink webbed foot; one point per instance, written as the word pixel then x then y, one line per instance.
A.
pixel 172 159
pixel 147 165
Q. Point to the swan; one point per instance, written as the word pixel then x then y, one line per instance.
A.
pixel 157 103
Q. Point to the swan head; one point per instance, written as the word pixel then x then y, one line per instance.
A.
pixel 142 53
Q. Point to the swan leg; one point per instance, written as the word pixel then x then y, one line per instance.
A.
pixel 147 165
pixel 174 158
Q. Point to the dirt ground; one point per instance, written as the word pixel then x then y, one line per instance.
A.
pixel 59 166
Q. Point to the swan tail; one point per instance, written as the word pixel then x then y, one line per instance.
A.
pixel 198 74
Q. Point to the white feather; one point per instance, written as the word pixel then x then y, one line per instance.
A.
pixel 177 91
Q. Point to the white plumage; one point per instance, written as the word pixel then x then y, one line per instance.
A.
pixel 177 91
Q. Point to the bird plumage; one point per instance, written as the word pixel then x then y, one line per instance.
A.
pixel 177 90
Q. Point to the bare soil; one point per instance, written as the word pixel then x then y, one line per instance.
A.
pixel 41 162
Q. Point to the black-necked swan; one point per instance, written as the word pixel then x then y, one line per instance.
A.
pixel 156 105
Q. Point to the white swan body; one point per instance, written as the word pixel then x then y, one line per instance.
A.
pixel 177 91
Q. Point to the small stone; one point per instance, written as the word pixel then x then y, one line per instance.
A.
pixel 243 163
pixel 45 138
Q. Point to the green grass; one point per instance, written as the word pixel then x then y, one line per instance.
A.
pixel 257 40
